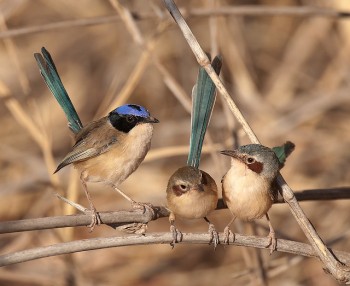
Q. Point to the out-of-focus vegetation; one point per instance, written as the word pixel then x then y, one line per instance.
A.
pixel 289 75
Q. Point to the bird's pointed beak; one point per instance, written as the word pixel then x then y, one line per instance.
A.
pixel 231 153
pixel 151 119
pixel 198 188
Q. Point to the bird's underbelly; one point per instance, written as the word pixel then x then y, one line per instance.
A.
pixel 245 199
pixel 193 204
pixel 114 166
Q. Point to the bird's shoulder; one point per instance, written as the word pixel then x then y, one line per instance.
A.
pixel 94 139
pixel 97 134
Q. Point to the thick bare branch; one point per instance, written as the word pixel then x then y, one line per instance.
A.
pixel 119 218
pixel 156 238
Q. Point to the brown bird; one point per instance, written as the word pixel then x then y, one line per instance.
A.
pixel 249 187
pixel 107 150
pixel 192 193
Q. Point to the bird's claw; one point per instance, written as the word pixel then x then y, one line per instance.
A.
pixel 134 228
pixel 95 219
pixel 177 235
pixel 214 237
pixel 227 234
pixel 144 206
pixel 272 242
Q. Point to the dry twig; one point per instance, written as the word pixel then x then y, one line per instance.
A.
pixel 261 10
pixel 116 218
pixel 156 238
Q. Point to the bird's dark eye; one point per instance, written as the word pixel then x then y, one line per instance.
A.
pixel 183 187
pixel 250 160
pixel 130 119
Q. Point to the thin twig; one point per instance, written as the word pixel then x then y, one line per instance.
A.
pixel 203 60
pixel 179 93
pixel 12 51
pixel 140 68
pixel 321 194
pixel 261 10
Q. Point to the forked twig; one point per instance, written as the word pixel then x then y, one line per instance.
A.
pixel 337 269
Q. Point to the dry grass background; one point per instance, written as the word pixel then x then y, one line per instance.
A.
pixel 289 75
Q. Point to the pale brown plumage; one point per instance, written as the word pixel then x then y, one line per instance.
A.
pixel 191 193
pixel 248 187
pixel 104 154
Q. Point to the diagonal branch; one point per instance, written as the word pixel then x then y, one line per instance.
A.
pixel 340 272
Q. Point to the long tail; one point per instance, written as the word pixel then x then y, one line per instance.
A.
pixel 203 99
pixel 283 152
pixel 53 81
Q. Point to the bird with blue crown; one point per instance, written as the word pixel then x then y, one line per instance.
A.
pixel 107 150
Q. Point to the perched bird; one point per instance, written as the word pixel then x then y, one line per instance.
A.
pixel 249 187
pixel 192 193
pixel 107 150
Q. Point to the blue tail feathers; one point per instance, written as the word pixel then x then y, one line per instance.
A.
pixel 53 81
pixel 203 99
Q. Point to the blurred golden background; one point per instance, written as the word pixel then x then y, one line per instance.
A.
pixel 289 74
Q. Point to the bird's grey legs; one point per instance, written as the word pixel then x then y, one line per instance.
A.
pixel 214 237
pixel 271 236
pixel 228 232
pixel 95 219
pixel 177 235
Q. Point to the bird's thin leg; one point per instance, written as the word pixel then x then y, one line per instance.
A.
pixel 135 204
pixel 95 218
pixel 228 232
pixel 271 236
pixel 177 235
pixel 214 237
pixel 124 195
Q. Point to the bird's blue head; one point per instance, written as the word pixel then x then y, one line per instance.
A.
pixel 132 109
pixel 126 117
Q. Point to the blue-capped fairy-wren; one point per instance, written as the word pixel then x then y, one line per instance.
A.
pixel 107 150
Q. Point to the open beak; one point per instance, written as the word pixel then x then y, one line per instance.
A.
pixel 151 119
